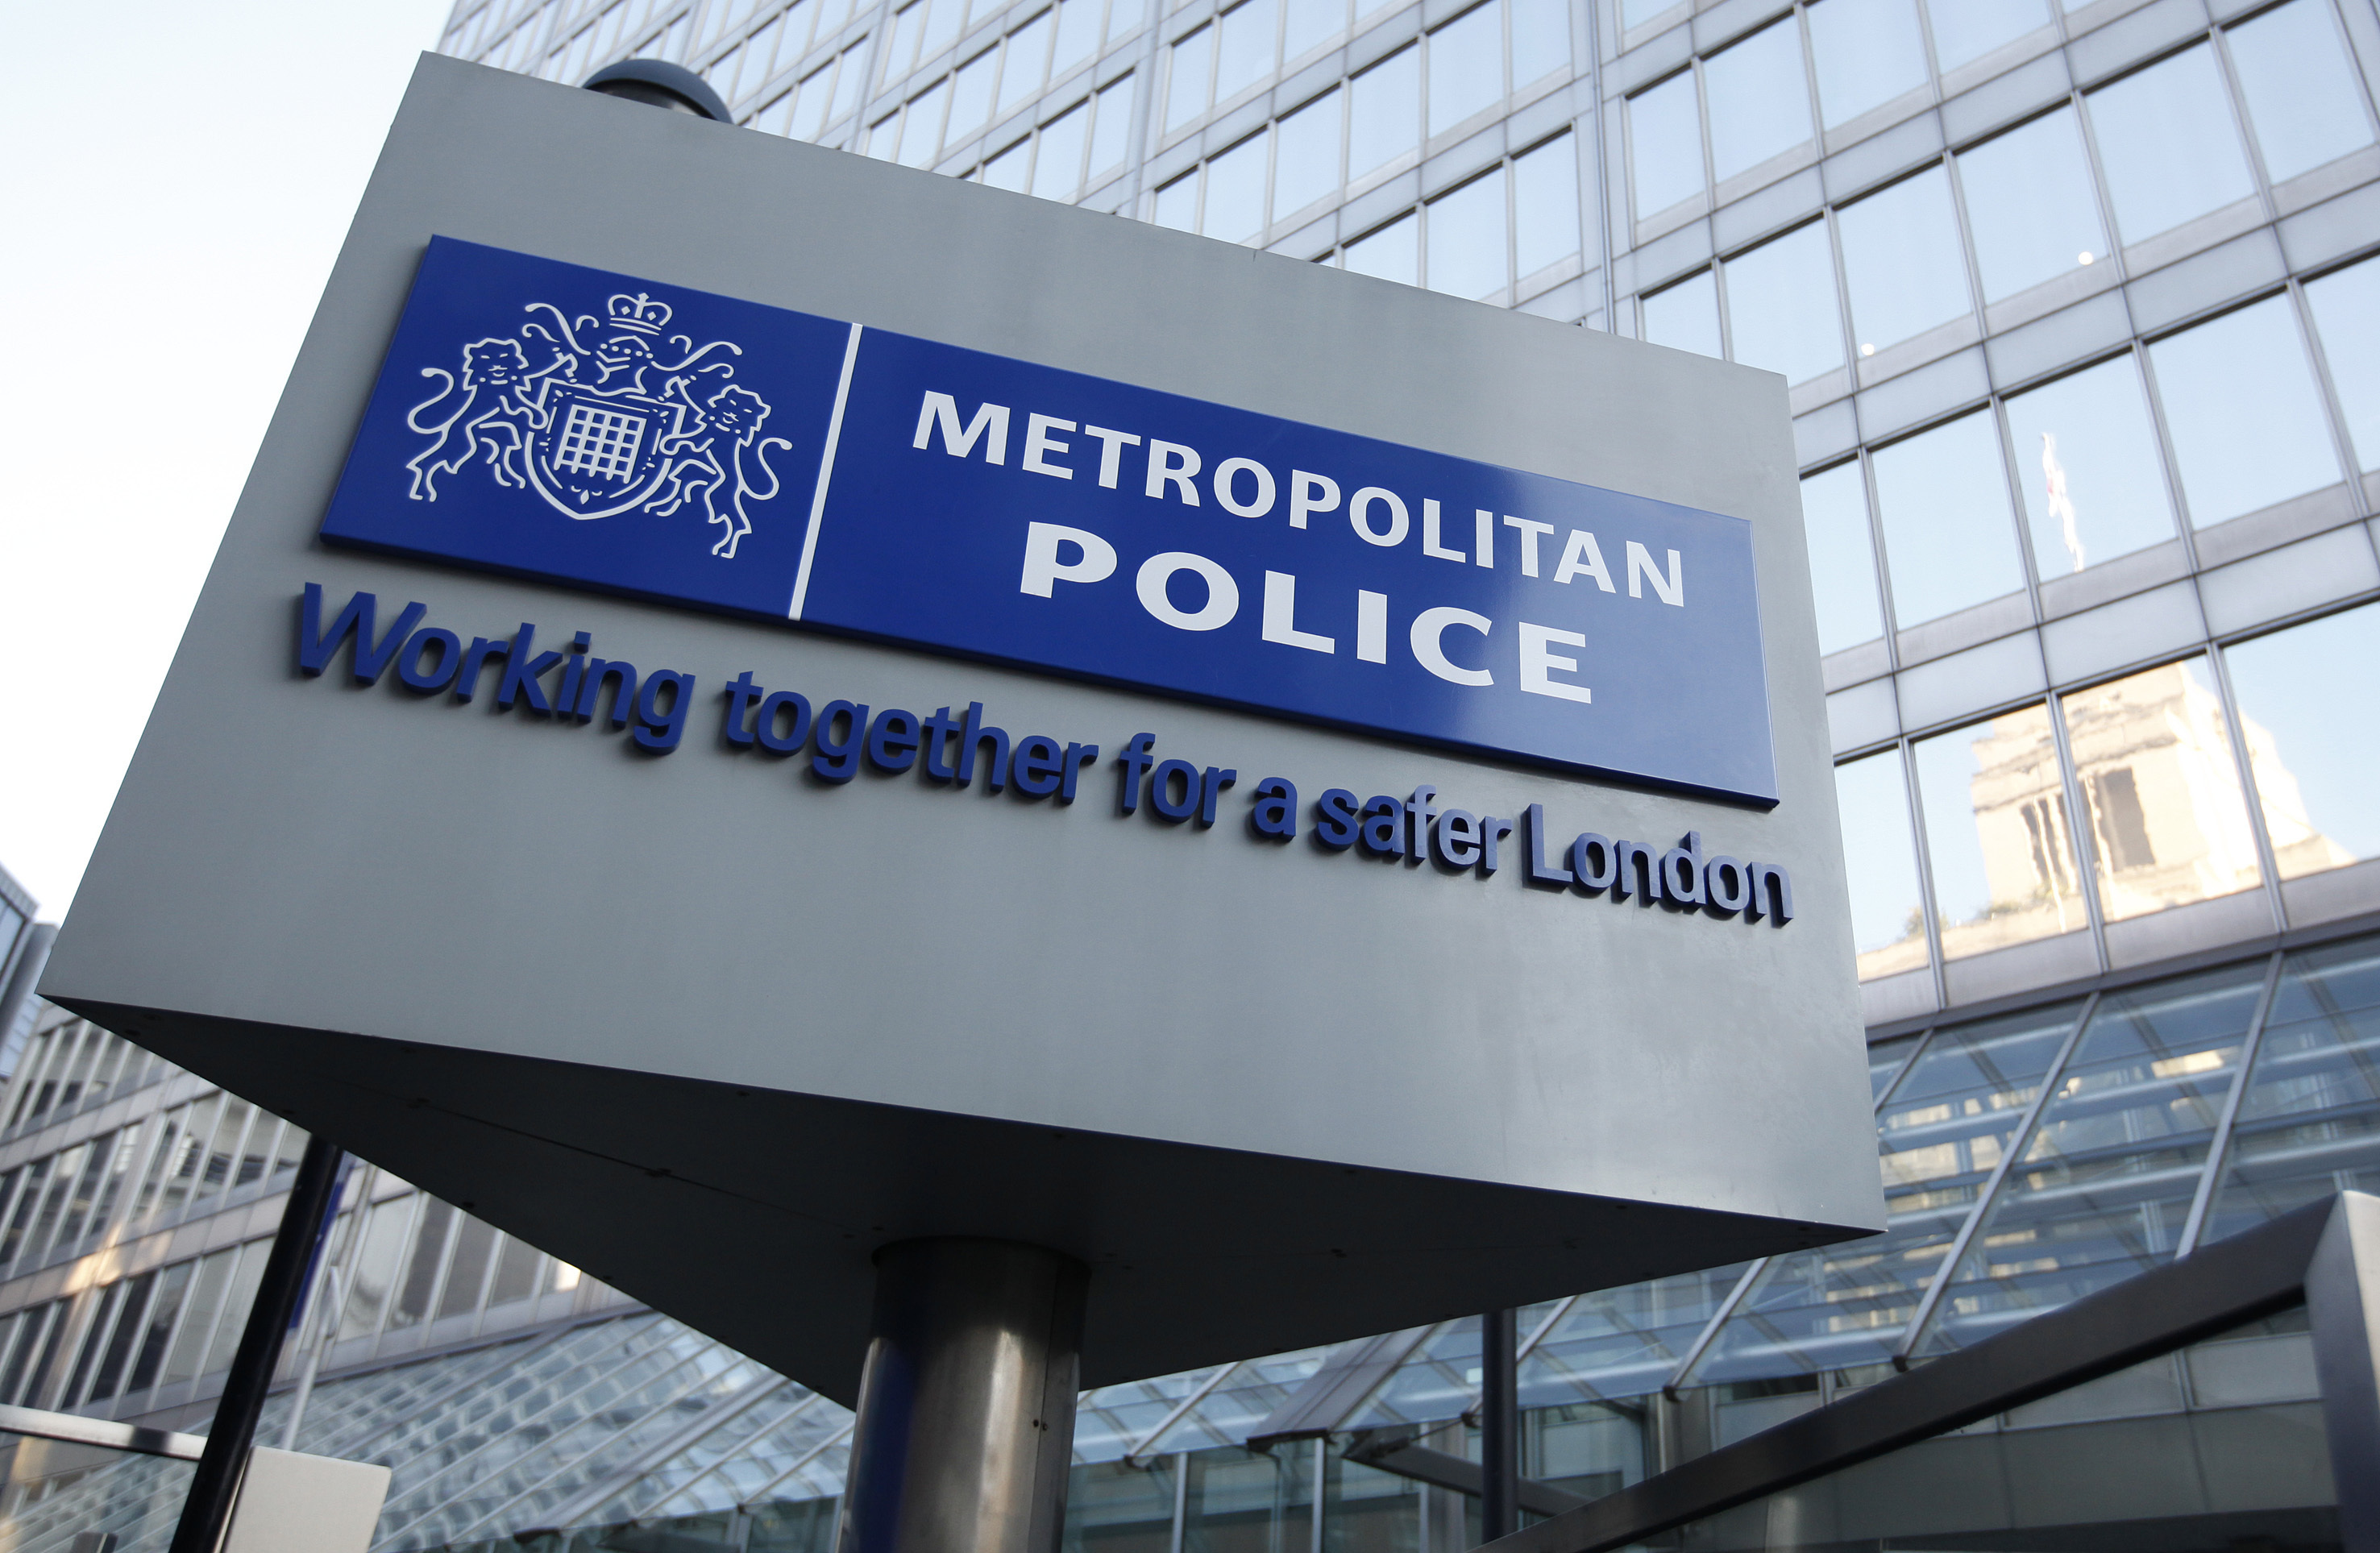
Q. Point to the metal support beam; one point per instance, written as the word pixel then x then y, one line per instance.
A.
pixel 1332 1394
pixel 214 1486
pixel 1395 1451
pixel 2218 1150
pixel 2342 1293
pixel 1139 1455
pixel 1499 1426
pixel 965 1429
pixel 2255 1274
pixel 108 1435
pixel 1988 1197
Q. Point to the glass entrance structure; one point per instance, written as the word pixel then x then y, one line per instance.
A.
pixel 2074 302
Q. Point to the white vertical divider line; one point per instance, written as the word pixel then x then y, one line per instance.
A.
pixel 826 473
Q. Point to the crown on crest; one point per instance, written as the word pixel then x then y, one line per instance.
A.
pixel 640 314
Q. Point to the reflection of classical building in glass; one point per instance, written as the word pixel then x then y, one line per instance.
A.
pixel 2034 875
pixel 2072 303
pixel 2155 761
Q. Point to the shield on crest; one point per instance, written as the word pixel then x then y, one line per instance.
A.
pixel 598 454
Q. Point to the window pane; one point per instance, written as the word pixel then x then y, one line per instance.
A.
pixel 1058 166
pixel 1880 861
pixel 1245 56
pixel 237 1300
pixel 1078 34
pixel 1186 77
pixel 1545 205
pixel 1685 316
pixel 1177 202
pixel 732 15
pixel 970 94
pixel 515 1273
pixel 2309 1119
pixel 1008 170
pixel 1965 29
pixel 1466 66
pixel 371 1275
pixel 811 100
pixel 1384 118
pixel 2104 1186
pixel 2169 144
pixel 2030 206
pixel 760 56
pixel 1111 127
pixel 199 1323
pixel 2005 868
pixel 476 1239
pixel 2248 428
pixel 421 1268
pixel 1540 39
pixel 2346 307
pixel 942 25
pixel 159 1328
pixel 2168 822
pixel 1949 540
pixel 1665 144
pixel 1902 261
pixel 1759 99
pixel 1466 239
pixel 847 78
pixel 922 133
pixel 1392 253
pixel 1623 1342
pixel 2087 460
pixel 1311 23
pixel 1780 306
pixel 1307 156
pixel 1868 52
pixel 1843 558
pixel 1236 192
pixel 720 73
pixel 900 49
pixel 2310 711
pixel 2301 95
pixel 1028 58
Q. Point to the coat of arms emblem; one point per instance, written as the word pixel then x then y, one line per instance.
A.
pixel 587 413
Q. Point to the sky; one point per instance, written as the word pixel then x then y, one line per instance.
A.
pixel 178 182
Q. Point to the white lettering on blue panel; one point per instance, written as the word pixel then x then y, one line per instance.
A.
pixel 591 429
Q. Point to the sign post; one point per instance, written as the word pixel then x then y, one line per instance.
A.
pixel 977 799
pixel 966 1407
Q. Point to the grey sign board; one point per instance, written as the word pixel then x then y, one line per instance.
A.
pixel 714 1028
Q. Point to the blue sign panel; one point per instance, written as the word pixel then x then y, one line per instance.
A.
pixel 591 429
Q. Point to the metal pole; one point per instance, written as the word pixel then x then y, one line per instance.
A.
pixel 1175 1541
pixel 2342 1289
pixel 206 1511
pixel 965 1430
pixel 1321 1472
pixel 1499 1425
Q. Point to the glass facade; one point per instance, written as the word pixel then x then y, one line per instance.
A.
pixel 2072 303
pixel 2068 300
pixel 2027 1158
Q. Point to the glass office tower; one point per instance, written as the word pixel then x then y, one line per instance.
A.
pixel 2076 306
